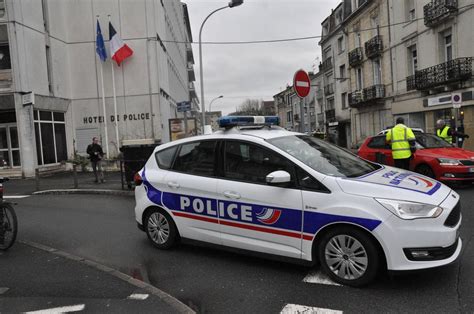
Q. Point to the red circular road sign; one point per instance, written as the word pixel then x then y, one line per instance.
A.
pixel 301 83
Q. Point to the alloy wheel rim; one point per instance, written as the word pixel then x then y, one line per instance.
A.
pixel 346 257
pixel 158 228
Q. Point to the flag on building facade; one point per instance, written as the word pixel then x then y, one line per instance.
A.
pixel 119 50
pixel 99 44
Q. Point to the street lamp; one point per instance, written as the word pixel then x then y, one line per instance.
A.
pixel 210 104
pixel 232 3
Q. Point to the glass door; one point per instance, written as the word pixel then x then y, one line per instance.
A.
pixel 9 146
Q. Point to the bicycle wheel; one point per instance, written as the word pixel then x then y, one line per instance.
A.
pixel 8 226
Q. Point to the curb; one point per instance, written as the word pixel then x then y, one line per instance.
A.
pixel 165 297
pixel 84 191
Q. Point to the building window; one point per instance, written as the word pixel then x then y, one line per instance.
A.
pixel 342 72
pixel 2 9
pixel 359 83
pixel 377 69
pixel 5 63
pixel 330 104
pixel 340 45
pixel 412 60
pixel 357 40
pixel 289 114
pixel 343 100
pixel 448 47
pixel 410 10
pixel 50 134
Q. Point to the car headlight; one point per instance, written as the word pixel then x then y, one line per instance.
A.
pixel 448 162
pixel 410 210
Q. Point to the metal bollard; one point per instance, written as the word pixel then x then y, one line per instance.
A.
pixel 74 174
pixel 37 179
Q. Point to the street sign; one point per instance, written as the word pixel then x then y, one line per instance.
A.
pixel 456 98
pixel 28 99
pixel 301 83
pixel 184 106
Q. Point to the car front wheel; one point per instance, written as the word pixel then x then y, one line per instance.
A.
pixel 349 256
pixel 160 229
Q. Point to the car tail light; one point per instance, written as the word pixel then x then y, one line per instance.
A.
pixel 138 179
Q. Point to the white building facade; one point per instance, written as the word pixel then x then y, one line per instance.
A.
pixel 50 45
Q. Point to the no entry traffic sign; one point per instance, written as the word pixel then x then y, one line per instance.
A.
pixel 301 83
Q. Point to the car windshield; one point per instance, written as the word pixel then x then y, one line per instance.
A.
pixel 323 156
pixel 431 141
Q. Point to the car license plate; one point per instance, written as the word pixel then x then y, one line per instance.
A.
pixel 471 169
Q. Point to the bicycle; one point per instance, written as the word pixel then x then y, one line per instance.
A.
pixel 8 221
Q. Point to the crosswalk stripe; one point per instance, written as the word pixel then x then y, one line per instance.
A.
pixel 15 196
pixel 319 278
pixel 302 309
pixel 138 296
pixel 63 309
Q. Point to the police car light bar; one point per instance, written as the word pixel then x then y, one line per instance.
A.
pixel 231 121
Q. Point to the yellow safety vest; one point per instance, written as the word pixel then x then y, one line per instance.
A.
pixel 399 137
pixel 444 134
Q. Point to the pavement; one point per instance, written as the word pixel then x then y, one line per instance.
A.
pixel 61 282
pixel 63 183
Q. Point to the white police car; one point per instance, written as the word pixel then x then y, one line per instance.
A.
pixel 259 187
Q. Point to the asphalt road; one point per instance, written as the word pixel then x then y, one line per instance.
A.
pixel 103 229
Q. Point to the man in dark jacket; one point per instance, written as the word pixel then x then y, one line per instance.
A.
pixel 95 155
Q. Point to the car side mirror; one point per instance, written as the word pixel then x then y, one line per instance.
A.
pixel 278 177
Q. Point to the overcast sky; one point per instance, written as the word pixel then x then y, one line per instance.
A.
pixel 256 71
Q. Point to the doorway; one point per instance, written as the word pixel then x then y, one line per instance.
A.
pixel 9 146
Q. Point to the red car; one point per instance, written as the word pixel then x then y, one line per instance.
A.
pixel 434 157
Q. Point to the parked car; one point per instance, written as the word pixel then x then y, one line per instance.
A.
pixel 434 157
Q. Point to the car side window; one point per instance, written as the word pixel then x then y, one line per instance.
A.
pixel 196 158
pixel 164 158
pixel 307 182
pixel 252 163
pixel 378 142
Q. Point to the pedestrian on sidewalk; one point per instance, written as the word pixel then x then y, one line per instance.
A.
pixel 95 155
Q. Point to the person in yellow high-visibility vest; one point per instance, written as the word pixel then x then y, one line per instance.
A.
pixel 445 132
pixel 402 140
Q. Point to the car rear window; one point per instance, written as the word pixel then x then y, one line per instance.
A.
pixel 377 142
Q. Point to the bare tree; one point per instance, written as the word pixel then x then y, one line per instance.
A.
pixel 250 107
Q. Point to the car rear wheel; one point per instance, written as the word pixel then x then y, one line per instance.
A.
pixel 349 256
pixel 426 171
pixel 160 229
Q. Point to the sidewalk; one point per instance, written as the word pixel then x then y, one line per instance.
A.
pixel 33 279
pixel 65 180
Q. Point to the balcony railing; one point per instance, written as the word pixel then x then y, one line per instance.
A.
pixel 438 11
pixel 355 57
pixel 326 65
pixel 367 96
pixel 330 115
pixel 454 71
pixel 329 89
pixel 374 47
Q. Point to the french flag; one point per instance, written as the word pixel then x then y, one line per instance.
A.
pixel 119 50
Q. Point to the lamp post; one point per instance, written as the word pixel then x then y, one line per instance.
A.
pixel 232 3
pixel 210 104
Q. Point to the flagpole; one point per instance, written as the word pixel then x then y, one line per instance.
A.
pixel 115 103
pixel 105 113
pixel 103 107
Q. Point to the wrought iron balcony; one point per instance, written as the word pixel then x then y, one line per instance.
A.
pixel 326 65
pixel 437 11
pixel 367 96
pixel 330 115
pixel 355 57
pixel 374 47
pixel 454 71
pixel 329 89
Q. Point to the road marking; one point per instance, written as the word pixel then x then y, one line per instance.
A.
pixel 3 290
pixel 302 84
pixel 15 196
pixel 302 309
pixel 138 296
pixel 63 309
pixel 319 278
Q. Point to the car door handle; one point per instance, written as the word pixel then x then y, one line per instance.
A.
pixel 230 194
pixel 173 185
